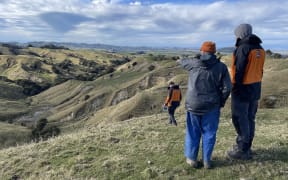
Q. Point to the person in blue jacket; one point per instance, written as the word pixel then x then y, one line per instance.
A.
pixel 209 86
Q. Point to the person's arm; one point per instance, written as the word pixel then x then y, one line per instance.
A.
pixel 168 99
pixel 226 86
pixel 241 60
pixel 185 63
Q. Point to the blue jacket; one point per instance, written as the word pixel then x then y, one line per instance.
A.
pixel 209 83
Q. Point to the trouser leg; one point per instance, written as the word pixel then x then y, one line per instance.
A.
pixel 209 125
pixel 171 111
pixel 192 137
pixel 241 122
pixel 253 106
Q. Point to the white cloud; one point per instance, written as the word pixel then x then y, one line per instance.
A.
pixel 136 3
pixel 132 23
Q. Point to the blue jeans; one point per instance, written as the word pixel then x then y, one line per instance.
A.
pixel 243 118
pixel 201 125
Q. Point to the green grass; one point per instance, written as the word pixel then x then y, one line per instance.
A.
pixel 147 148
pixel 10 109
pixel 11 91
pixel 11 135
pixel 103 144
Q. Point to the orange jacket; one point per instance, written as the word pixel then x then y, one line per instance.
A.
pixel 174 95
pixel 254 68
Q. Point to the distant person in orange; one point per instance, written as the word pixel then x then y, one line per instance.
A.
pixel 246 75
pixel 172 101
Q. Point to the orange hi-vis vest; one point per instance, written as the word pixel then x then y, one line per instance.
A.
pixel 254 68
pixel 176 96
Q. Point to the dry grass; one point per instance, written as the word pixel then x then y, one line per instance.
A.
pixel 147 148
pixel 11 135
pixel 130 139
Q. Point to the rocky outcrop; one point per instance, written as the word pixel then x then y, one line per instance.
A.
pixel 131 90
pixel 90 106
pixel 10 62
pixel 30 119
pixel 121 96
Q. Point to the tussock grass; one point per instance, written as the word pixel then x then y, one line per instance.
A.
pixel 147 148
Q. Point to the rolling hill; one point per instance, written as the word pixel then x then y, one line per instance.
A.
pixel 111 122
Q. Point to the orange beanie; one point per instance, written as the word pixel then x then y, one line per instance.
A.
pixel 208 46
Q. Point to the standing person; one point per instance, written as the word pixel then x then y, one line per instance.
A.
pixel 246 75
pixel 172 101
pixel 209 86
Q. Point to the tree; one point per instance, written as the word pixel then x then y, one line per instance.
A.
pixel 269 52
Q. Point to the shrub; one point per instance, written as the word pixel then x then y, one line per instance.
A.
pixel 110 70
pixel 276 56
pixel 134 63
pixel 43 132
pixel 41 124
pixel 31 88
pixel 52 46
pixel 269 52
pixel 151 67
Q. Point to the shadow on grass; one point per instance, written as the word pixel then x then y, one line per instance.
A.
pixel 259 155
pixel 272 154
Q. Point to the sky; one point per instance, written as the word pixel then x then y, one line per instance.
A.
pixel 153 23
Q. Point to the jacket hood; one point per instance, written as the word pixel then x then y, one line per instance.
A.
pixel 251 39
pixel 243 30
pixel 205 61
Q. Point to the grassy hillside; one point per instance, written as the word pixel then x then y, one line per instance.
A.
pixel 133 89
pixel 12 135
pixel 133 84
pixel 147 148
pixel 42 68
pixel 10 109
pixel 112 126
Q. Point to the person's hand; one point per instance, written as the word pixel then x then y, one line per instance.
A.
pixel 165 107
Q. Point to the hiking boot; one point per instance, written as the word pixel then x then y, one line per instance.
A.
pixel 251 152
pixel 207 165
pixel 174 123
pixel 234 147
pixel 239 155
pixel 192 163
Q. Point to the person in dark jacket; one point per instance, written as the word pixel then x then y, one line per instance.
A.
pixel 172 101
pixel 246 75
pixel 209 86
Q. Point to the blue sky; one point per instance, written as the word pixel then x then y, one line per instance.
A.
pixel 157 23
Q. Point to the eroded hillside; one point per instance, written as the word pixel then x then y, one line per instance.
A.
pixel 111 122
pixel 78 88
pixel 70 87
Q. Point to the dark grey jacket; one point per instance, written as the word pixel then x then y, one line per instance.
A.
pixel 209 83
